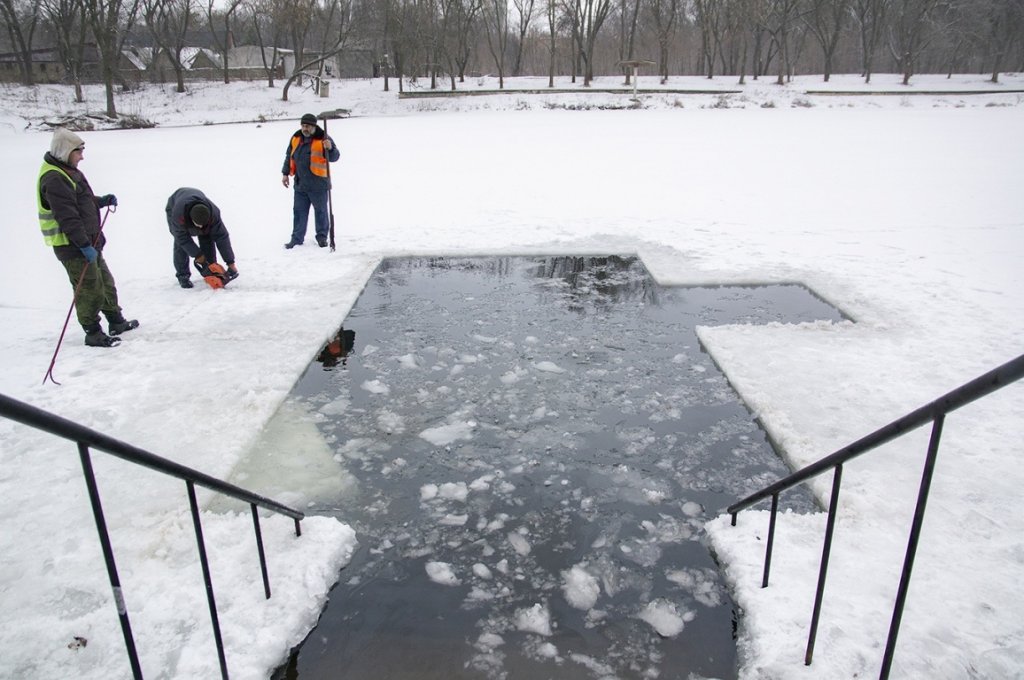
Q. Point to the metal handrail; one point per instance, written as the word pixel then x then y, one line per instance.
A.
pixel 934 412
pixel 85 438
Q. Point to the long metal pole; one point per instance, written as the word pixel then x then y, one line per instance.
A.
pixel 826 551
pixel 771 542
pixel 108 557
pixel 915 535
pixel 207 580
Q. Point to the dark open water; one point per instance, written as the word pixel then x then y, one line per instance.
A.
pixel 503 421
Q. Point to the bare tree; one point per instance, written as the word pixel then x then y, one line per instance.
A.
pixel 497 29
pixel 168 22
pixel 665 15
pixel 1003 21
pixel 20 19
pixel 524 10
pixel 267 24
pixel 826 19
pixel 404 36
pixel 628 17
pixel 777 20
pixel 225 14
pixel 69 29
pixel 910 31
pixel 458 23
pixel 551 12
pixel 110 21
pixel 591 18
pixel 870 16
pixel 708 15
pixel 336 18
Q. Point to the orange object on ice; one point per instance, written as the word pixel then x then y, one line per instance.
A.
pixel 218 278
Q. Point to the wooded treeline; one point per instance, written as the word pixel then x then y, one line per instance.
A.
pixel 450 39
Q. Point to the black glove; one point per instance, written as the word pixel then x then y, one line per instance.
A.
pixel 204 267
pixel 107 200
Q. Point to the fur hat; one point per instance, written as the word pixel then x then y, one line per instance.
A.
pixel 64 142
pixel 308 119
pixel 199 214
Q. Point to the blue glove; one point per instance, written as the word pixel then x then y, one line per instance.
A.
pixel 90 253
pixel 107 199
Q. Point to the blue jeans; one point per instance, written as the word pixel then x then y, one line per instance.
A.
pixel 300 214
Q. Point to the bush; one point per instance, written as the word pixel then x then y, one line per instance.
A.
pixel 133 122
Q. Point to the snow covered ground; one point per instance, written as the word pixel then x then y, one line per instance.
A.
pixel 903 211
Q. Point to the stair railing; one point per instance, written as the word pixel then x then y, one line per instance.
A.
pixel 85 438
pixel 934 412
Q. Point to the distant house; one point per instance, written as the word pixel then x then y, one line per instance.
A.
pixel 249 63
pixel 357 60
pixel 46 67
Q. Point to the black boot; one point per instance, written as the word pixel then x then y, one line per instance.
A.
pixel 95 337
pixel 119 324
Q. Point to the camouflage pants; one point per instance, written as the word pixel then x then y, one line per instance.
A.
pixel 97 292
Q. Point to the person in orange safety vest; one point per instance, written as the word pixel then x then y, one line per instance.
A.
pixel 309 150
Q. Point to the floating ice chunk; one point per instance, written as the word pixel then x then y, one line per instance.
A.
pixel 663 616
pixel 336 407
pixel 519 543
pixel 456 369
pixel 442 572
pixel 580 587
pixel 700 582
pixel 480 595
pixel 375 387
pixel 691 509
pixel 390 422
pixel 454 491
pixel 513 376
pixel 481 483
pixel 368 350
pixel 484 338
pixel 497 523
pixel 547 651
pixel 679 359
pixel 531 339
pixel 446 434
pixel 428 492
pixel 450 520
pixel 548 367
pixel 488 641
pixel 409 361
pixel 482 571
pixel 469 358
pixel 601 670
pixel 535 619
pixel 396 464
pixel 654 495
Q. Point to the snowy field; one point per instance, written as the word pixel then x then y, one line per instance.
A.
pixel 904 211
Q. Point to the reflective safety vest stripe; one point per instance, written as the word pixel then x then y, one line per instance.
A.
pixel 52 234
pixel 317 157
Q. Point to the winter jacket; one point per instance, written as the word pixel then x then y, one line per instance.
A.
pixel 307 159
pixel 73 207
pixel 181 227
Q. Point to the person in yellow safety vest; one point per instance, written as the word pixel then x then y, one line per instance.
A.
pixel 309 150
pixel 69 217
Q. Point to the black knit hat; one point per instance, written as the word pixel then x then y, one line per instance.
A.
pixel 199 214
pixel 308 119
